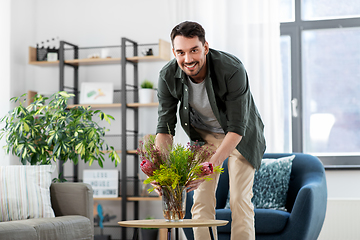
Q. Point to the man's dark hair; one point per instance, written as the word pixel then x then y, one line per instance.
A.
pixel 189 30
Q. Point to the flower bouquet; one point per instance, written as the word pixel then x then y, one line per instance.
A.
pixel 173 170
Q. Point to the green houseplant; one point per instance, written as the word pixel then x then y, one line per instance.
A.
pixel 147 84
pixel 41 133
pixel 146 92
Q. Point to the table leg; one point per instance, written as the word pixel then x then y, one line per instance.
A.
pixel 135 236
pixel 169 234
pixel 177 233
pixel 211 233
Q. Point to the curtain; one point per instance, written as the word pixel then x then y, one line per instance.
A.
pixel 249 29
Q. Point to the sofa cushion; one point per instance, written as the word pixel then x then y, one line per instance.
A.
pixel 266 220
pixel 224 214
pixel 271 183
pixel 65 228
pixel 25 192
pixel 14 230
pixel 270 220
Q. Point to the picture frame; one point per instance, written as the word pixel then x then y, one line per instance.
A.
pixel 103 182
pixel 96 93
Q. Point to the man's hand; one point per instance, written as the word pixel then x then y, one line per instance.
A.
pixel 228 145
pixel 192 185
pixel 157 188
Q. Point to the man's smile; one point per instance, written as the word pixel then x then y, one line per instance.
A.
pixel 190 66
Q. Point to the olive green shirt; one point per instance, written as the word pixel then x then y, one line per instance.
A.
pixel 230 98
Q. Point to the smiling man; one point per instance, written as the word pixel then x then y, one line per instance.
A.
pixel 218 110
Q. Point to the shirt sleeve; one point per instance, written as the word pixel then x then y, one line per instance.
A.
pixel 238 102
pixel 167 109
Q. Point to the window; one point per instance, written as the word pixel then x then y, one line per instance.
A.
pixel 321 62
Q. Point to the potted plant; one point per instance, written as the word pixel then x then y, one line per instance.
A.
pixel 44 133
pixel 146 92
pixel 149 233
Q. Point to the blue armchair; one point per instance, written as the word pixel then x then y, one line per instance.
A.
pixel 306 204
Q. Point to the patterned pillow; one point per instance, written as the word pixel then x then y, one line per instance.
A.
pixel 271 183
pixel 25 192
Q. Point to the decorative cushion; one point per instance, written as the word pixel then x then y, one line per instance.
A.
pixel 25 192
pixel 271 183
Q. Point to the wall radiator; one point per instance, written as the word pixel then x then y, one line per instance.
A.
pixel 342 221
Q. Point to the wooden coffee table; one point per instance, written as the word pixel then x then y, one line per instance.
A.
pixel 162 223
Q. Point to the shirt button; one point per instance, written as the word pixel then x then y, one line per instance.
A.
pixel 185 124
pixel 185 108
pixel 186 89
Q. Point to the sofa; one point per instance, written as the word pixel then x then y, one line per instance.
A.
pixel 73 207
pixel 305 204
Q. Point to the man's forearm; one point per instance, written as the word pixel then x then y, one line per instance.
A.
pixel 164 141
pixel 228 145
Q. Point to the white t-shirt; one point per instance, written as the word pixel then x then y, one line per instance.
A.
pixel 201 114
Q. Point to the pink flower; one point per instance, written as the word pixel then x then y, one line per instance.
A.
pixel 206 169
pixel 147 167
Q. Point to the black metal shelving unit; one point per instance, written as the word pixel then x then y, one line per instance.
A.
pixel 124 129
pixel 125 132
pixel 74 89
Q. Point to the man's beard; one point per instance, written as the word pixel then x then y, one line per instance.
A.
pixel 192 74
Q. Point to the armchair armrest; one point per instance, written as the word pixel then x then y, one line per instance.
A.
pixel 308 213
pixel 72 199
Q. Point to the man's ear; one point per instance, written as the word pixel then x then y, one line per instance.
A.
pixel 173 50
pixel 206 47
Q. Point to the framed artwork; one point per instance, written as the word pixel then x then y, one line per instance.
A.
pixel 96 93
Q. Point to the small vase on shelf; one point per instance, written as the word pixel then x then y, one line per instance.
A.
pixel 146 95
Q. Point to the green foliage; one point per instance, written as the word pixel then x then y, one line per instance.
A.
pixel 39 133
pixel 60 179
pixel 147 84
pixel 165 176
pixel 177 167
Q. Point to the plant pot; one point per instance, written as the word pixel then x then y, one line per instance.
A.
pixel 149 234
pixel 174 202
pixel 146 95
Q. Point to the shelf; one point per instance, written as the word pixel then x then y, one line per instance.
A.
pixel 115 105
pixel 110 105
pixel 119 151
pixel 134 199
pixel 164 55
pixel 32 59
pixel 108 199
pixel 131 151
pixel 93 61
pixel 136 105
pixel 144 198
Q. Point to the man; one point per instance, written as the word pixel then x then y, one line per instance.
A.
pixel 217 108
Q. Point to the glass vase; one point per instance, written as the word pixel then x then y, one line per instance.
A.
pixel 174 202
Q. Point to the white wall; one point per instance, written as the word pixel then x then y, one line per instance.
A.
pixel 343 184
pixel 4 69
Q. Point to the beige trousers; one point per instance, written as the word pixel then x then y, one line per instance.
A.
pixel 241 177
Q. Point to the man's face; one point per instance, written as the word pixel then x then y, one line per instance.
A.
pixel 190 54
